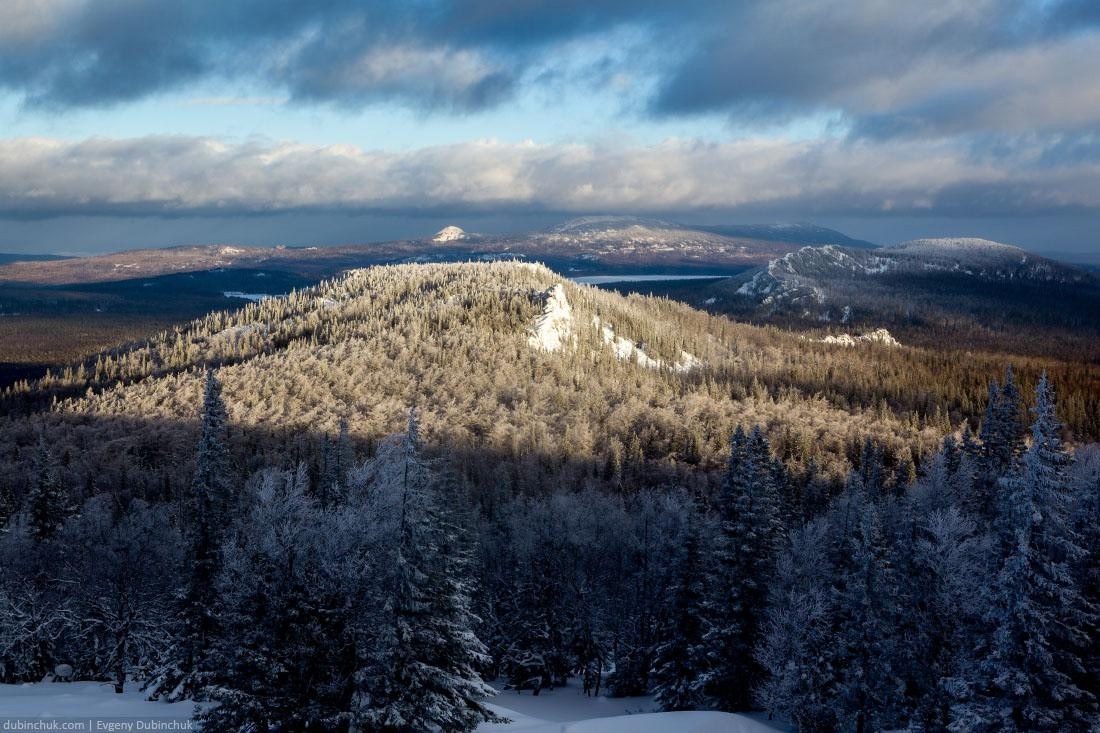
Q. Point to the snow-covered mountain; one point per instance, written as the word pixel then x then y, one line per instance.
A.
pixel 800 233
pixel 643 242
pixel 806 275
pixel 975 292
pixel 632 231
pixel 449 234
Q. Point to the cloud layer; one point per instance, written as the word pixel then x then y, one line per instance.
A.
pixel 945 107
pixel 180 176
pixel 939 67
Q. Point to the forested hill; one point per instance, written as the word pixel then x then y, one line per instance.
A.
pixel 573 483
pixel 637 385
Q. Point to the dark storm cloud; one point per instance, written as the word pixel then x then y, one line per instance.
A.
pixel 891 69
pixel 458 55
pixel 897 69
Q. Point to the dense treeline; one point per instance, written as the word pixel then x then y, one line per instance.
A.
pixel 382 591
pixel 454 339
pixel 543 515
pixel 364 348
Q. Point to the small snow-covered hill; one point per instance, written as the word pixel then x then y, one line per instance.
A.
pixel 631 232
pixel 449 234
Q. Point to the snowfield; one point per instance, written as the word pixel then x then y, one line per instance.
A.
pixel 564 710
pixel 86 701
pixel 552 328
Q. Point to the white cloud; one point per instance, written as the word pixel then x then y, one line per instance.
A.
pixel 29 21
pixel 200 176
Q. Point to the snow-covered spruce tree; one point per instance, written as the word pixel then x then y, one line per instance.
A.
pixel 420 670
pixel 182 673
pixel 743 563
pixel 799 681
pixel 46 505
pixel 1087 522
pixel 1039 619
pixel 862 648
pixel 122 615
pixel 680 654
pixel 1002 441
pixel 950 561
pixel 294 600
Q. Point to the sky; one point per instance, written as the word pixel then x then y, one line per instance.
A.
pixel 136 123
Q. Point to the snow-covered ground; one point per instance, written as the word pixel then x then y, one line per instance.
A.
pixel 90 706
pixel 94 706
pixel 552 328
pixel 566 710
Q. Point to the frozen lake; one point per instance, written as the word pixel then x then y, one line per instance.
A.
pixel 605 279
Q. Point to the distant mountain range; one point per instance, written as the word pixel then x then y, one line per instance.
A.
pixel 587 245
pixel 978 293
pixel 803 233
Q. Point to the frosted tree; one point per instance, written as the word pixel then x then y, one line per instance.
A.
pixel 183 672
pixel 36 620
pixel 1086 483
pixel 743 563
pixel 1002 442
pixel 1039 619
pixel 679 655
pixel 800 681
pixel 213 481
pixel 122 615
pixel 294 588
pixel 46 505
pixel 421 669
pixel 864 594
pixel 950 561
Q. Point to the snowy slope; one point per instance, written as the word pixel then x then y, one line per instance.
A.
pixel 683 722
pixel 552 329
pixel 562 711
pixel 566 710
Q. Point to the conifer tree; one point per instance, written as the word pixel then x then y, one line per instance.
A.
pixel 1087 524
pixel 46 504
pixel 292 588
pixel 1039 619
pixel 1001 444
pixel 864 615
pixel 421 672
pixel 800 681
pixel 744 561
pixel 678 657
pixel 183 673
